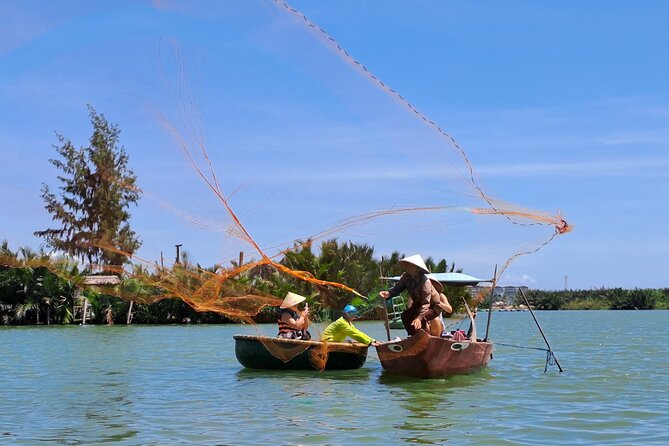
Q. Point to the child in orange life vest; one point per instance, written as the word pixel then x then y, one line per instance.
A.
pixel 292 324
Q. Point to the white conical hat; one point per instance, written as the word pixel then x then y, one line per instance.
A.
pixel 437 285
pixel 416 260
pixel 291 300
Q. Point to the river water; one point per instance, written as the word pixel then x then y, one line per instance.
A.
pixel 158 385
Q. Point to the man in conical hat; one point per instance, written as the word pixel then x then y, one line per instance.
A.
pixel 425 302
pixel 416 261
pixel 293 324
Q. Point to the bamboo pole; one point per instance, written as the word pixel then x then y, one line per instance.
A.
pixel 385 313
pixel 473 334
pixel 492 293
pixel 522 293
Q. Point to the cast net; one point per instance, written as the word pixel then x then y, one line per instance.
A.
pixel 286 140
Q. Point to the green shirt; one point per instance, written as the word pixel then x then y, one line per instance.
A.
pixel 340 329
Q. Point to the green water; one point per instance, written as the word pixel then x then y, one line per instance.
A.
pixel 144 385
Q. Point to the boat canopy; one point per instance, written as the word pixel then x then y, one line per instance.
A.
pixel 448 278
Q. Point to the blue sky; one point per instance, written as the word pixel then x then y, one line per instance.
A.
pixel 559 106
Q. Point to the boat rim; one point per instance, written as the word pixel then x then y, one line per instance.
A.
pixel 297 341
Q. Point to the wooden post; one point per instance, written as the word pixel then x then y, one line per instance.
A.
pixel 77 296
pixel 384 302
pixel 129 319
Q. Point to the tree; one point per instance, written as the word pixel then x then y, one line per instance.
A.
pixel 97 187
pixel 390 266
pixel 348 263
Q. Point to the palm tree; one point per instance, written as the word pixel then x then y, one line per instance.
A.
pixel 5 252
pixel 135 286
pixel 348 263
pixel 390 266
pixel 25 280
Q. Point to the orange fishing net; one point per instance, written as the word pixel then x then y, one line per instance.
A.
pixel 375 168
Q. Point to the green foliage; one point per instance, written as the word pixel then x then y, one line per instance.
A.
pixel 546 300
pixel 663 299
pixel 636 299
pixel 35 295
pixel 599 299
pixel 455 294
pixel 44 294
pixel 347 263
pixel 585 304
pixel 97 187
pixel 390 266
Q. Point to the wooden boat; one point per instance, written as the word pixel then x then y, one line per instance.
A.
pixel 425 356
pixel 264 352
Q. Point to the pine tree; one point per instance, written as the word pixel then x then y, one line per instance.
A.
pixel 97 187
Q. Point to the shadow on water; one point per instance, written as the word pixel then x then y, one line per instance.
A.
pixel 444 384
pixel 362 374
pixel 429 403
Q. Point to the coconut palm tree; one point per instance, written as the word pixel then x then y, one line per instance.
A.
pixel 348 263
pixel 26 281
pixel 390 266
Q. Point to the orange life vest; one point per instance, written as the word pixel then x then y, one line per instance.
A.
pixel 284 327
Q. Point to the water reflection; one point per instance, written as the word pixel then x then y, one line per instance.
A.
pixel 106 415
pixel 135 390
pixel 427 404
pixel 446 384
pixel 357 375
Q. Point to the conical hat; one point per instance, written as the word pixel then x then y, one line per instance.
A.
pixel 416 260
pixel 437 285
pixel 291 300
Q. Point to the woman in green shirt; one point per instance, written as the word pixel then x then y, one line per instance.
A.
pixel 342 328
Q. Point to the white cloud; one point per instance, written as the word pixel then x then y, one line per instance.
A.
pixel 518 279
pixel 588 168
pixel 622 167
pixel 638 139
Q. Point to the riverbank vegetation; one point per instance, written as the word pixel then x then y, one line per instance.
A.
pixel 38 289
pixel 600 299
pixel 91 226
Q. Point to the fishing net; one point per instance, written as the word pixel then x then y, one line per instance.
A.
pixel 258 128
pixel 364 163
